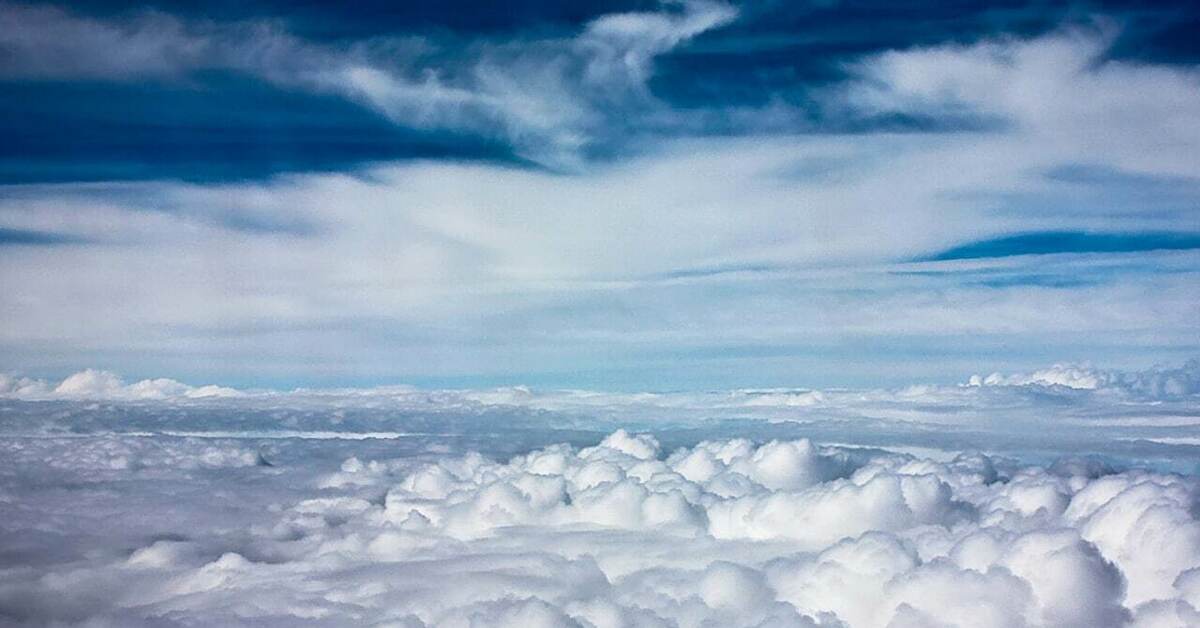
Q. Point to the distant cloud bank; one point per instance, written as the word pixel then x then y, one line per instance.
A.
pixel 95 384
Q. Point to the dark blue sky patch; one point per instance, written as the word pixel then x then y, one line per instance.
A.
pixel 333 21
pixel 1009 278
pixel 780 49
pixel 224 128
pixel 28 237
pixel 1052 242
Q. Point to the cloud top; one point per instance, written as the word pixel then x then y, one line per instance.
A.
pixel 1153 383
pixel 105 385
pixel 622 532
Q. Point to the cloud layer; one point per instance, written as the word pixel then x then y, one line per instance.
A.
pixel 623 533
pixel 1117 416
pixel 1062 497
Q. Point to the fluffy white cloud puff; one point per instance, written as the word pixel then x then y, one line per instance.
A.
pixel 623 533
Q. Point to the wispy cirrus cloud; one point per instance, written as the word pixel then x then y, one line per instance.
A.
pixel 551 99
pixel 699 251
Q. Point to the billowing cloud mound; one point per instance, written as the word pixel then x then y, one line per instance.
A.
pixel 626 533
pixel 100 384
pixel 1157 382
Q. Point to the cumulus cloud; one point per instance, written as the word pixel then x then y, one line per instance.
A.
pixel 137 454
pixel 22 386
pixel 624 532
pixel 1155 382
pixel 101 384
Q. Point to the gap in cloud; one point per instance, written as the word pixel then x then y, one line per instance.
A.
pixel 30 237
pixel 1055 242
pixel 214 127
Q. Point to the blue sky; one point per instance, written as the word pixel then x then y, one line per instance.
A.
pixel 623 195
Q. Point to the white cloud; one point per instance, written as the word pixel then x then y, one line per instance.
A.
pixel 100 384
pixel 116 454
pixel 567 265
pixel 1156 382
pixel 620 48
pixel 365 504
pixel 617 534
pixel 1055 91
pixel 788 461
pixel 22 386
pixel 540 96
pixel 716 247
pixel 90 383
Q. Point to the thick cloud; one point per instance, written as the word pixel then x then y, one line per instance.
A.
pixel 99 384
pixel 1155 383
pixel 623 533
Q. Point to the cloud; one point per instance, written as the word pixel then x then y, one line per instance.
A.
pixel 43 41
pixel 22 386
pixel 99 384
pixel 1125 420
pixel 718 257
pixel 621 532
pixel 1154 383
pixel 752 260
pixel 117 454
pixel 1053 90
pixel 568 265
pixel 620 48
pixel 558 100
pixel 548 98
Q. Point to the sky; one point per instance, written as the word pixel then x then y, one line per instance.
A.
pixel 682 195
pixel 663 314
